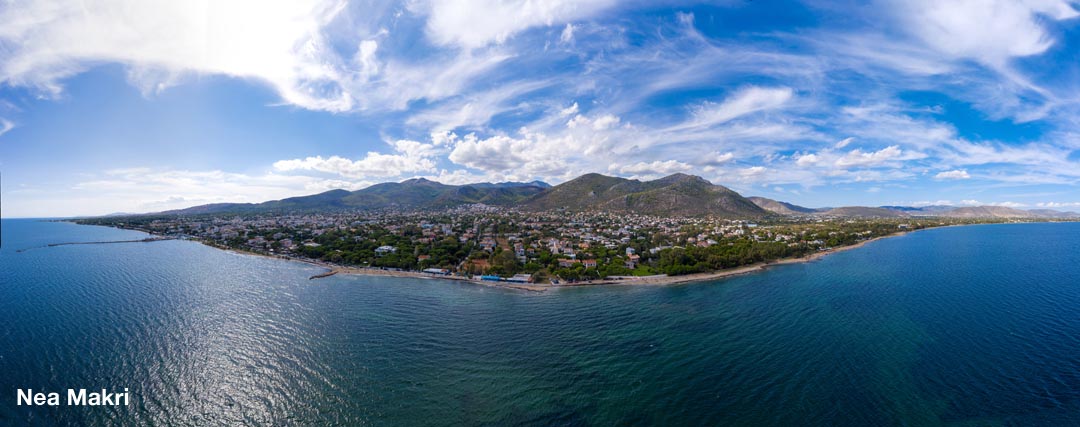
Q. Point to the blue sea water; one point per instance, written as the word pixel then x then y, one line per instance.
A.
pixel 975 325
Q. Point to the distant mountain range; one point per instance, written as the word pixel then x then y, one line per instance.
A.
pixel 678 194
pixel 783 208
pixel 411 194
pixel 674 195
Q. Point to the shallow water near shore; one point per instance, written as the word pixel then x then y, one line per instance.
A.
pixel 975 325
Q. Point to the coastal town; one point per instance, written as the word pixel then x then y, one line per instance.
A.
pixel 498 244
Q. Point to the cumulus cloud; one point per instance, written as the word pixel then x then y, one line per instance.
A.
pixel 1011 204
pixel 857 157
pixel 718 158
pixel 953 174
pixel 807 159
pixel 410 157
pixel 1058 205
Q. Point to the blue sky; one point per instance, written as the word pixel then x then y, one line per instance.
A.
pixel 140 106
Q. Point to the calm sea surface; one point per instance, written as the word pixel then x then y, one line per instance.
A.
pixel 967 326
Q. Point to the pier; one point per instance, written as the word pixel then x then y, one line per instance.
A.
pixel 146 240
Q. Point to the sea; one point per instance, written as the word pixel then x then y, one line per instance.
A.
pixel 966 326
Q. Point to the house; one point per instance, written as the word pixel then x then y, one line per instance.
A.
pixel 589 263
pixel 568 263
pixel 383 250
pixel 632 261
pixel 488 244
pixel 423 258
pixel 520 278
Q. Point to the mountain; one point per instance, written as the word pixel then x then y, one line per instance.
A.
pixel 678 194
pixel 411 194
pixel 1050 213
pixel 920 210
pixel 675 195
pixel 782 208
pixel 987 212
pixel 863 211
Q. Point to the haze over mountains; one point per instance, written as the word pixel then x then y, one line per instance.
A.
pixel 783 208
pixel 674 195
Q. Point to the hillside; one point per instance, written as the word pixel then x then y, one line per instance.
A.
pixel 987 212
pixel 778 207
pixel 678 194
pixel 675 195
pixel 864 212
pixel 411 194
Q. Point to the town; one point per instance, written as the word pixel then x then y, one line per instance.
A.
pixel 504 244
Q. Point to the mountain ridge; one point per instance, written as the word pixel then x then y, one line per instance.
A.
pixel 677 194
pixel 893 211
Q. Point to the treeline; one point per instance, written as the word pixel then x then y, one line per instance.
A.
pixel 696 259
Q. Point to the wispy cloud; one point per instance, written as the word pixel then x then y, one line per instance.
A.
pixel 906 92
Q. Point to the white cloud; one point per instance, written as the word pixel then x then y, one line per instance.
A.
pixel 857 157
pixel 654 168
pixel 279 43
pixel 746 101
pixel 411 157
pixel 807 159
pixel 606 121
pixel 569 111
pixel 991 31
pixel 717 158
pixel 753 171
pixel 953 174
pixel 567 35
pixel 477 23
pixel 474 111
pixel 844 142
pixel 1058 205
pixel 6 126
pixel 365 59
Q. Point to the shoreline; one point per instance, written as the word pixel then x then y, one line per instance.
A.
pixel 736 271
pixel 659 280
pixel 333 269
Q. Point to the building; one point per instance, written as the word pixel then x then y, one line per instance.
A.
pixel 383 250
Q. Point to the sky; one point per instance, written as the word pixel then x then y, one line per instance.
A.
pixel 140 106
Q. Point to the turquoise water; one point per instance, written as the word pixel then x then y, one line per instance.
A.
pixel 967 326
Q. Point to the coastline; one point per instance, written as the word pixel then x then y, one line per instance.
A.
pixel 659 280
pixel 735 271
pixel 333 269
